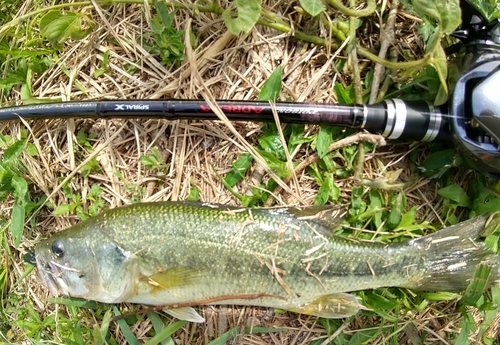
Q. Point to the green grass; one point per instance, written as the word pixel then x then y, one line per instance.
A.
pixel 31 44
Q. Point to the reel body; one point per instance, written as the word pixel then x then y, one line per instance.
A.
pixel 475 103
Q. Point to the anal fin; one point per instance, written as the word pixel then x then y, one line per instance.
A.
pixel 185 313
pixel 332 306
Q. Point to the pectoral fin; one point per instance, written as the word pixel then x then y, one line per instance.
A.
pixel 172 278
pixel 186 313
pixel 331 306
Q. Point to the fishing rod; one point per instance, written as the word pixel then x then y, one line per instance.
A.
pixel 394 118
pixel 471 120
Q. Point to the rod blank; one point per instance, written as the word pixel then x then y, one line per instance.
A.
pixel 394 119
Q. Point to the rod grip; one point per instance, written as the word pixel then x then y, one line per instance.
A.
pixel 408 121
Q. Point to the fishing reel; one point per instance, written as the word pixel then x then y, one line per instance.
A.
pixel 475 102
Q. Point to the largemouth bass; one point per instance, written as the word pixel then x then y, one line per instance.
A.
pixel 181 254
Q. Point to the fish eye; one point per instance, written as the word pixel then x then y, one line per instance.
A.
pixel 58 248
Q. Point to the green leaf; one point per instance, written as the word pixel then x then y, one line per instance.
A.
pixel 275 163
pixel 105 60
pixel 448 16
pixel 31 150
pixel 439 296
pixel 74 302
pixel 484 201
pixel 438 61
pixel 240 167
pixel 445 12
pixel 327 191
pixel 331 326
pixel 17 222
pixel 165 17
pixel 492 242
pixel 57 27
pixel 492 232
pixel 234 332
pixel 165 40
pixel 152 161
pixel 438 160
pixel 490 315
pixel 271 142
pixel 100 333
pixel 436 164
pixel 363 336
pixel 227 336
pixel 455 193
pixel 323 193
pixel 477 285
pixel 398 204
pixel 334 189
pixel 128 334
pixel 64 208
pixel 342 94
pixel 194 194
pixel 408 218
pixel 375 300
pixel 313 7
pixel 248 15
pixel 26 94
pixel 98 73
pixel 166 333
pixel 296 136
pixel 20 188
pixel 490 9
pixel 324 140
pixel 376 203
pixel 358 206
pixel 14 150
pixel 91 166
pixel 156 321
pixel 272 87
pixel 5 140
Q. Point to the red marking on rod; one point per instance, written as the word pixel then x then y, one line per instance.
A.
pixel 231 108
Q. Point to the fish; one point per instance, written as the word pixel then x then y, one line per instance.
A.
pixel 179 255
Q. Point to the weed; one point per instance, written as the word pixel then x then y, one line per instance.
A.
pixel 153 161
pixel 104 65
pixel 83 211
pixel 165 40
pixel 379 207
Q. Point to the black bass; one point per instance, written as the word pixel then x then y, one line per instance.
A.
pixel 181 254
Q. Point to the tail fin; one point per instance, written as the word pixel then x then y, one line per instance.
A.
pixel 452 255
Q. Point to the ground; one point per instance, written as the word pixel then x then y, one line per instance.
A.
pixel 83 166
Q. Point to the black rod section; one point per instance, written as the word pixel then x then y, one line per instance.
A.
pixel 394 119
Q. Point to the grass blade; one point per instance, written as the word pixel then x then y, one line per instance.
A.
pixel 166 333
pixel 234 332
pixel 224 338
pixel 126 331
pixel 477 285
pixel 74 302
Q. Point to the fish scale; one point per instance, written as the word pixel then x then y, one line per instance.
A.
pixel 187 253
pixel 192 236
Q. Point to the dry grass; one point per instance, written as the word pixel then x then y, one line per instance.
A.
pixel 221 67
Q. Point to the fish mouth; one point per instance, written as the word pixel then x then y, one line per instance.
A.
pixel 49 275
pixel 30 257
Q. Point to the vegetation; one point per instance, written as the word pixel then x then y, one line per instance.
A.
pixel 54 173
